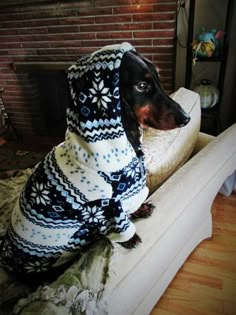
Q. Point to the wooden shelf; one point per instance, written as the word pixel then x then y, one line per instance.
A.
pixel 212 111
pixel 209 59
pixel 41 65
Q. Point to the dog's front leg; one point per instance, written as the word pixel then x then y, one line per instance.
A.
pixel 144 211
pixel 132 242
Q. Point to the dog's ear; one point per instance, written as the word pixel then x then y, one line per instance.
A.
pixel 131 66
pixel 124 68
pixel 133 62
pixel 133 59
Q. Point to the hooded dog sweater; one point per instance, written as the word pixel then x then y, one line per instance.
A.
pixel 86 186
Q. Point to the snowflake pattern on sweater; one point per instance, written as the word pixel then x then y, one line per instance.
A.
pixel 86 186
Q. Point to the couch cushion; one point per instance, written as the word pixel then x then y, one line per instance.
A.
pixel 166 151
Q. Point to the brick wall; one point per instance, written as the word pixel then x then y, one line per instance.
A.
pixel 62 31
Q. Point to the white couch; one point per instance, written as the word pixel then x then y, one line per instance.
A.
pixel 118 281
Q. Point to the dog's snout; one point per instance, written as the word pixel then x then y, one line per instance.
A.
pixel 184 120
pixel 181 117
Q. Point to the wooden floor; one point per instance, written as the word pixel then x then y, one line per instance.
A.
pixel 206 283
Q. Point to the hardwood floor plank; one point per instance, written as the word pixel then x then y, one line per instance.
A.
pixel 159 311
pixel 208 257
pixel 210 271
pixel 192 277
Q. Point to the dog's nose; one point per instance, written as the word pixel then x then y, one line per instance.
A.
pixel 181 117
pixel 184 121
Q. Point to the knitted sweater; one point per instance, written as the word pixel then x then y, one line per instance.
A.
pixel 86 186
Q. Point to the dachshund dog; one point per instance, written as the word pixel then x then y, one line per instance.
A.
pixel 92 184
pixel 145 104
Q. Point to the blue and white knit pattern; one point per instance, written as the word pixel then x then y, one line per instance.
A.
pixel 88 185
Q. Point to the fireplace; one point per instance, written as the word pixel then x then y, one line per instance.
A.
pixel 45 93
pixel 53 100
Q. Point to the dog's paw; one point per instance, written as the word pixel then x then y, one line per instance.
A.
pixel 132 242
pixel 144 211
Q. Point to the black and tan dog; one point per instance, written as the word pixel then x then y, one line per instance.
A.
pixel 145 104
pixel 92 184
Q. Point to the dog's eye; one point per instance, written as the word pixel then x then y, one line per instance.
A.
pixel 141 86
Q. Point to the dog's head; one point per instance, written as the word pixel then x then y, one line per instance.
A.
pixel 141 90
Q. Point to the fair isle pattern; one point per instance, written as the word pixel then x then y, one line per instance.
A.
pixel 86 186
pixel 100 96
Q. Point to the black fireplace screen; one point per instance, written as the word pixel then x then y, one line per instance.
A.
pixel 54 98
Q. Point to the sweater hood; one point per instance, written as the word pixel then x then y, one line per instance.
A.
pixel 95 112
